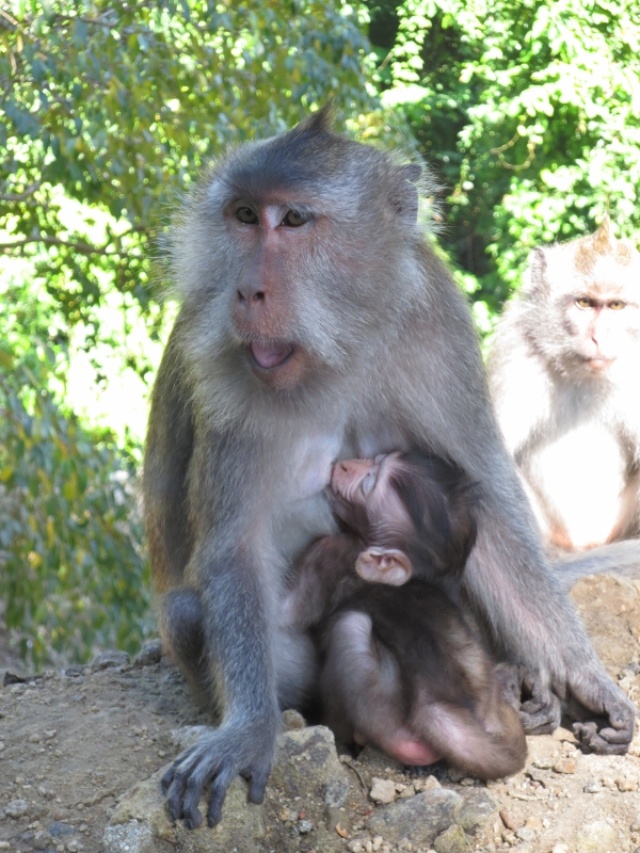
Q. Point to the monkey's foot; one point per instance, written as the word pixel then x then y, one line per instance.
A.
pixel 215 760
pixel 606 716
pixel 606 741
pixel 540 709
pixel 609 735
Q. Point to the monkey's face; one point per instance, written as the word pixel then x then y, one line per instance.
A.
pixel 285 254
pixel 364 498
pixel 585 301
pixel 597 321
pixel 270 237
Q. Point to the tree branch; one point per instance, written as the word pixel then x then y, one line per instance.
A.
pixel 28 191
pixel 81 247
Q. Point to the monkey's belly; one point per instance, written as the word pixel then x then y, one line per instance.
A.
pixel 580 484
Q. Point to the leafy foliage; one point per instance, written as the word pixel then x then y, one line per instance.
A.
pixel 529 112
pixel 116 105
pixel 74 575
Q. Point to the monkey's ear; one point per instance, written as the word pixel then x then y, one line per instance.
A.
pixel 537 273
pixel 603 240
pixel 405 197
pixel 319 122
pixel 411 172
pixel 384 565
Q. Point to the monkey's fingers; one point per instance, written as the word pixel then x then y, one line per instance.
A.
pixel 607 741
pixel 609 731
pixel 167 779
pixel 257 785
pixel 176 801
pixel 217 795
pixel 543 722
pixel 215 760
pixel 184 783
pixel 540 713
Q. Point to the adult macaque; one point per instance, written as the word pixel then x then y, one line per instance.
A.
pixel 564 378
pixel 402 667
pixel 318 324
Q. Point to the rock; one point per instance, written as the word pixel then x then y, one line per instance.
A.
pixel 427 784
pixel 292 719
pixel 525 834
pixel 307 771
pixel 110 659
pixel 477 808
pixel 421 818
pixel 308 766
pixel 565 765
pixel 140 824
pixel 596 837
pixel 131 837
pixel 452 840
pixel 383 790
pixel 149 655
pixel 16 808
pixel 510 821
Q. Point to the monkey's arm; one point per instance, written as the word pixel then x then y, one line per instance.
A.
pixel 215 607
pixel 325 576
pixel 518 385
pixel 168 451
pixel 235 589
pixel 241 673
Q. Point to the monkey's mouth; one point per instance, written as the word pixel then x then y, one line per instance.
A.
pixel 269 356
pixel 598 364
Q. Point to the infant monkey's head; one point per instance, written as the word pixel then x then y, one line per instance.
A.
pixel 413 511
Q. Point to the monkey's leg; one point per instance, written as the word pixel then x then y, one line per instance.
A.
pixel 181 628
pixel 362 692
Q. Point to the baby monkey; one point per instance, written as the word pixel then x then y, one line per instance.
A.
pixel 403 668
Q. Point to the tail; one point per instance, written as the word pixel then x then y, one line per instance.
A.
pixel 617 558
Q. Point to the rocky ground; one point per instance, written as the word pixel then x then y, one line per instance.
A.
pixel 81 753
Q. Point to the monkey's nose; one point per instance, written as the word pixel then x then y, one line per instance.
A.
pixel 249 296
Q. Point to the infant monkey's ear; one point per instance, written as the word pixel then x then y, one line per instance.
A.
pixel 384 565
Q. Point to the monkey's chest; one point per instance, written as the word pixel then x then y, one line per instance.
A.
pixel 581 480
pixel 304 513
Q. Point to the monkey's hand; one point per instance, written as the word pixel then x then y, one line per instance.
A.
pixel 540 709
pixel 612 730
pixel 215 760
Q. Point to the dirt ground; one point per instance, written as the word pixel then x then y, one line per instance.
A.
pixel 72 744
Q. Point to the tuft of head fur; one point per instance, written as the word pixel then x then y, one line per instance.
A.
pixel 441 502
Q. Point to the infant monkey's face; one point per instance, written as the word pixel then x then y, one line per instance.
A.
pixel 364 498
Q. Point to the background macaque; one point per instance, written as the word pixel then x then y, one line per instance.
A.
pixel 402 667
pixel 564 378
pixel 318 324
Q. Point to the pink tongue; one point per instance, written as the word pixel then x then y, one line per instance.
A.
pixel 270 356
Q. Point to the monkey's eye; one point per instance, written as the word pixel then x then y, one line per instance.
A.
pixel 246 215
pixel 368 482
pixel 617 305
pixel 294 219
pixel 584 302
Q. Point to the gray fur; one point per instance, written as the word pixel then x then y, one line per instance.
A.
pixel 386 358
